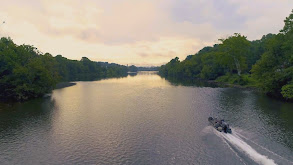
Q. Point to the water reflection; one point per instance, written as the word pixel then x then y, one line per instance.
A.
pixel 191 82
pixel 141 119
pixel 251 111
pixel 15 116
pixel 132 74
pixel 261 117
pixel 24 128
pixel 278 118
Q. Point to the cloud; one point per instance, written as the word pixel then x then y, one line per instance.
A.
pixel 262 16
pixel 148 32
pixel 219 13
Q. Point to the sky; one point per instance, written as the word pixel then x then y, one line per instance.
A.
pixel 139 32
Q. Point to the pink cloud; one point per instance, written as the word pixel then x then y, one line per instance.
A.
pixel 127 31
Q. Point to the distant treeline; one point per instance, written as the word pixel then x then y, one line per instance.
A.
pixel 133 68
pixel 152 68
pixel 26 73
pixel 266 63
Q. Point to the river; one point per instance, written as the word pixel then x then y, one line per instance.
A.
pixel 145 119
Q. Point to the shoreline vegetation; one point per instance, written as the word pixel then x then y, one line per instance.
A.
pixel 265 65
pixel 26 73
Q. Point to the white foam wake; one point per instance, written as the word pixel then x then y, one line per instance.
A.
pixel 264 148
pixel 247 149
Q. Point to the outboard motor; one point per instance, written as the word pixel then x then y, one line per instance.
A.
pixel 227 129
pixel 225 126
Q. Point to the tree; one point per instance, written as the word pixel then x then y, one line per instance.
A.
pixel 287 91
pixel 27 73
pixel 274 71
pixel 236 48
pixel 288 24
pixel 132 68
pixel 269 60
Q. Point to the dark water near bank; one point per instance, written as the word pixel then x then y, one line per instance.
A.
pixel 144 119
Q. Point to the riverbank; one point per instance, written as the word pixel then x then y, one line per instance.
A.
pixel 210 83
pixel 237 60
pixel 221 83
pixel 226 84
pixel 64 85
pixel 244 81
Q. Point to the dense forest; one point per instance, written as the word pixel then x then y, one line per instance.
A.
pixel 27 73
pixel 266 63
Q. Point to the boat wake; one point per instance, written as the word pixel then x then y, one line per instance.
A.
pixel 239 135
pixel 241 145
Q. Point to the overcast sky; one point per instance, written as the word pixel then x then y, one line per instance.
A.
pixel 140 32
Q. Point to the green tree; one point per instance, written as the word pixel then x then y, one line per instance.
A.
pixel 287 91
pixel 132 68
pixel 236 49
pixel 274 71
pixel 27 73
pixel 288 27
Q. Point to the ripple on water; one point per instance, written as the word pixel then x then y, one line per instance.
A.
pixel 140 120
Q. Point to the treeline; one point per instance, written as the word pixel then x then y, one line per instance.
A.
pixel 87 70
pixel 152 68
pixel 266 63
pixel 133 68
pixel 26 73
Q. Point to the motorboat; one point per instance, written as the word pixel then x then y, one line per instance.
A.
pixel 220 125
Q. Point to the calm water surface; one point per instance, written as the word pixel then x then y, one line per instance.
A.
pixel 144 119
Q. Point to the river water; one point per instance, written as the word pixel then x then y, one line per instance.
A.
pixel 145 119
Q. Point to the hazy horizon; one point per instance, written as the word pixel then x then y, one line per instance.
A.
pixel 143 33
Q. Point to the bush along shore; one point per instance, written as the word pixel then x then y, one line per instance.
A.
pixel 266 64
pixel 26 73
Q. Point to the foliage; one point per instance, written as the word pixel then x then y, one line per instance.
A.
pixel 23 72
pixel 132 68
pixel 287 91
pixel 288 27
pixel 244 79
pixel 26 73
pixel 266 63
pixel 212 62
pixel 274 71
pixel 235 51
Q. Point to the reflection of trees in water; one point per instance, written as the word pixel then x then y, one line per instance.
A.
pixel 233 103
pixel 278 115
pixel 31 115
pixel 132 74
pixel 258 113
pixel 147 72
pixel 190 82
